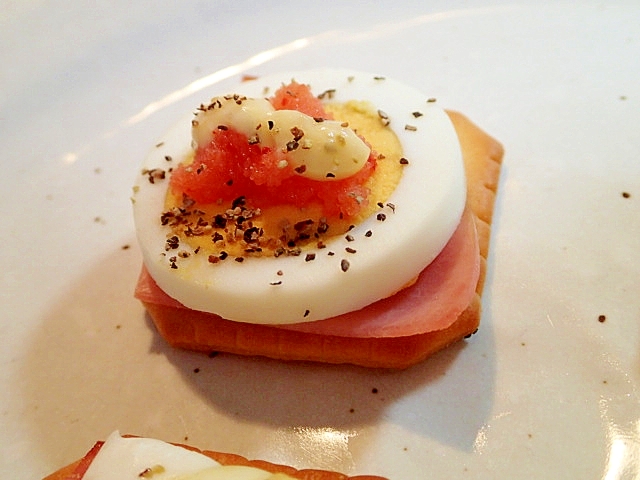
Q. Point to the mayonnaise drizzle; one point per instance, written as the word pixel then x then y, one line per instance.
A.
pixel 315 148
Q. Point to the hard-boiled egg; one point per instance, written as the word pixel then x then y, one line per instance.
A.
pixel 136 458
pixel 382 254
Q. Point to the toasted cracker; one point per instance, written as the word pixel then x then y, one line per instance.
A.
pixel 194 330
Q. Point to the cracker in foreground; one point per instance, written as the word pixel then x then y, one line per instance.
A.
pixel 75 470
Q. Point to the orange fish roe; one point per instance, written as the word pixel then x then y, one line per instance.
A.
pixel 297 96
pixel 231 166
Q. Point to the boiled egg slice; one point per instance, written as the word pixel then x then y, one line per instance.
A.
pixel 135 458
pixel 138 458
pixel 380 256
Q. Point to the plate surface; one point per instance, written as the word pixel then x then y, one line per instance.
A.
pixel 548 388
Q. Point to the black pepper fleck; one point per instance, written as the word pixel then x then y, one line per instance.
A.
pixel 297 133
pixel 239 201
pixel 154 174
pixel 291 146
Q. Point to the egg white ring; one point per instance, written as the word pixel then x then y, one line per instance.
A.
pixel 429 202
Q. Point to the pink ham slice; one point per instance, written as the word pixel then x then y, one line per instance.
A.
pixel 440 294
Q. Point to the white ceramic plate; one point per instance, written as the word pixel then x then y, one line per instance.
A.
pixel 544 390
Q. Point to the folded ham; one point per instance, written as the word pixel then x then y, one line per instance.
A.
pixel 440 294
